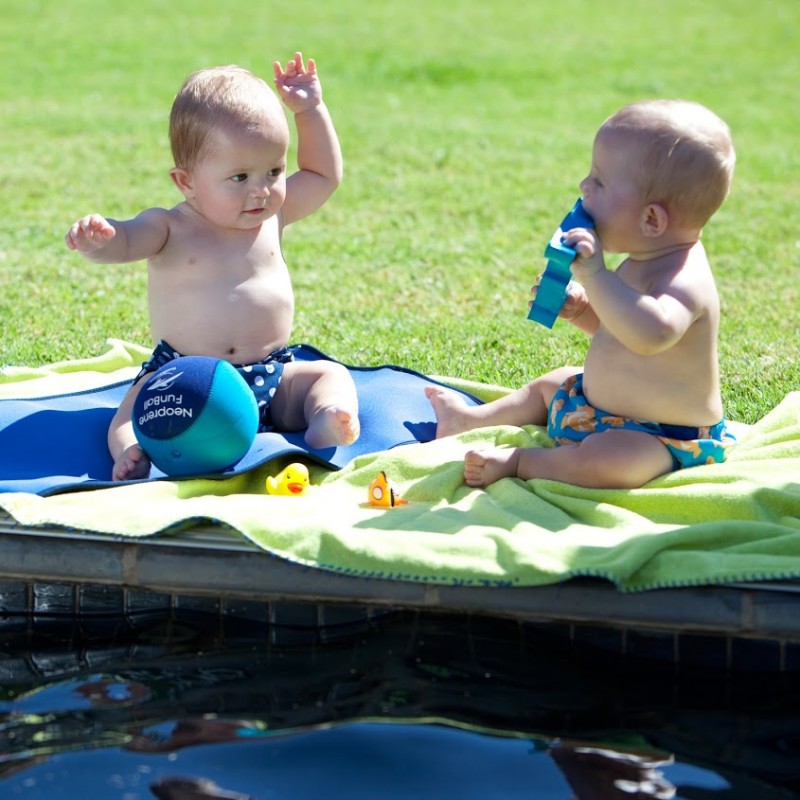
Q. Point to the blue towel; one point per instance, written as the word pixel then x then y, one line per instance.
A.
pixel 58 443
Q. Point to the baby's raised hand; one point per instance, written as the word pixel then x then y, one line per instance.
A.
pixel 90 233
pixel 298 85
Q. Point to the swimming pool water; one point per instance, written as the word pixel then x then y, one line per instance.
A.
pixel 405 705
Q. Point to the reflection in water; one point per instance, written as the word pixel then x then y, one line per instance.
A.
pixel 598 773
pixel 185 733
pixel 193 789
pixel 610 727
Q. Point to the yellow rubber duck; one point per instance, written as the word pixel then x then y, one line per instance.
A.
pixel 292 481
pixel 382 494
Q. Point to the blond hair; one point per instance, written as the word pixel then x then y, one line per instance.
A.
pixel 228 98
pixel 684 156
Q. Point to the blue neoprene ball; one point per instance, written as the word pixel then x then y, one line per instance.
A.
pixel 195 415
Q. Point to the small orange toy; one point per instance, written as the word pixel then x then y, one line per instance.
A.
pixel 383 495
pixel 292 481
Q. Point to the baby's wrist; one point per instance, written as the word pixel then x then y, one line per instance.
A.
pixel 572 310
pixel 584 272
pixel 307 109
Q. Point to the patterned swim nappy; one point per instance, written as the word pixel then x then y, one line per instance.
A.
pixel 571 419
pixel 262 377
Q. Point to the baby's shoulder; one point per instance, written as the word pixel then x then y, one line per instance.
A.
pixel 695 271
pixel 157 217
pixel 180 223
pixel 168 216
pixel 684 269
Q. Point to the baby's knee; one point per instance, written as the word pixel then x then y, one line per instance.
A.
pixel 337 378
pixel 338 371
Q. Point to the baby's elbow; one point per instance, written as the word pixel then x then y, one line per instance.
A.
pixel 648 349
pixel 338 176
pixel 656 341
pixel 330 184
pixel 330 188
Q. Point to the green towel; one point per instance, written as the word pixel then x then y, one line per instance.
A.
pixel 712 524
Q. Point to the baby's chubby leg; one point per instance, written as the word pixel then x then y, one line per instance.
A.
pixel 321 397
pixel 525 406
pixel 616 459
pixel 130 461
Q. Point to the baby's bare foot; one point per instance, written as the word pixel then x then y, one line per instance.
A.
pixel 482 467
pixel 452 413
pixel 332 427
pixel 131 464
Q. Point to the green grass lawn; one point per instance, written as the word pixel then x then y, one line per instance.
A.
pixel 466 127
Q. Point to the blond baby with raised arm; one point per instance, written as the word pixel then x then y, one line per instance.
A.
pixel 218 284
pixel 647 399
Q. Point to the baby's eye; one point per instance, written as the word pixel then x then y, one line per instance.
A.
pixel 240 178
pixel 276 172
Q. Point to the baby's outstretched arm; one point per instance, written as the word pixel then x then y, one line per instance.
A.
pixel 109 241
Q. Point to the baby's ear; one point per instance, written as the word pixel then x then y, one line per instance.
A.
pixel 182 178
pixel 654 220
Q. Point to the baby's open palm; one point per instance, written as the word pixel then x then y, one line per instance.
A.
pixel 298 85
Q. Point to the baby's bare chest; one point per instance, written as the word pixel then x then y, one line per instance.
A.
pixel 222 282
pixel 240 250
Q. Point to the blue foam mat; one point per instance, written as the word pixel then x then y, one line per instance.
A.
pixel 58 444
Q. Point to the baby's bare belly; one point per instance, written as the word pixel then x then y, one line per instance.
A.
pixel 240 314
pixel 242 340
pixel 653 389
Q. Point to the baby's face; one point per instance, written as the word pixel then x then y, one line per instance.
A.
pixel 241 181
pixel 611 194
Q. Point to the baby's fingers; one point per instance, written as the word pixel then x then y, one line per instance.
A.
pixel 582 241
pixel 295 66
pixel 309 68
pixel 576 301
pixel 92 230
pixel 97 227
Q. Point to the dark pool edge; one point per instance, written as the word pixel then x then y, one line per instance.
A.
pixel 207 565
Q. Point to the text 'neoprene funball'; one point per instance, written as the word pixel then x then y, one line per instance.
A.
pixel 195 415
